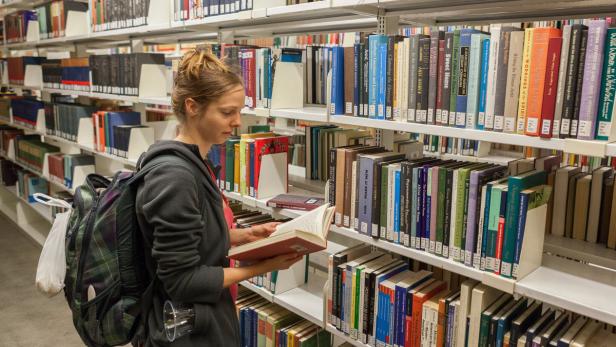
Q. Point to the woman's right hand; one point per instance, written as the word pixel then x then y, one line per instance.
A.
pixel 281 262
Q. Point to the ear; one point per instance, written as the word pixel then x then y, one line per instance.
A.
pixel 191 107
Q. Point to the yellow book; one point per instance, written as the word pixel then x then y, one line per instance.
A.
pixel 236 168
pixel 525 80
pixel 296 329
pixel 245 139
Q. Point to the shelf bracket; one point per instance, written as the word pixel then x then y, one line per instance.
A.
pixel 226 36
pixel 136 45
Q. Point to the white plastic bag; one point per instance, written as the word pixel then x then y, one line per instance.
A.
pixel 52 262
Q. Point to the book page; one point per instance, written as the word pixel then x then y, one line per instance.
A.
pixel 309 222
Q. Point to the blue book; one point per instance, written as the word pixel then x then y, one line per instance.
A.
pixel 463 74
pixel 451 314
pixel 113 119
pixel 483 82
pixel 401 303
pixel 373 42
pixel 337 86
pixel 418 173
pixel 504 321
pixel 381 100
pixel 425 208
pixel 397 206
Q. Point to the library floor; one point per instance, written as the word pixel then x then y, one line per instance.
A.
pixel 27 317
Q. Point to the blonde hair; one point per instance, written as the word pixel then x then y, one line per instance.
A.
pixel 202 77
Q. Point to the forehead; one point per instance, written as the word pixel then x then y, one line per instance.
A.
pixel 232 97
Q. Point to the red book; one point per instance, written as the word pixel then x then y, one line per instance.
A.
pixel 439 80
pixel 264 146
pixel 295 202
pixel 418 300
pixel 551 84
pixel 251 94
pixel 303 235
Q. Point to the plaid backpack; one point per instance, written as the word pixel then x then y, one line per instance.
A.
pixel 106 277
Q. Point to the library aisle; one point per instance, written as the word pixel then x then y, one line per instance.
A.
pixel 28 318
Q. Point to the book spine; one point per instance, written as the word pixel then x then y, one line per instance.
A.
pixel 524 200
pixel 570 80
pixel 455 73
pixel 525 80
pixel 332 167
pixel 578 86
pixel 381 70
pixel 501 233
pixel 608 88
pixel 440 82
pixel 366 80
pixel 397 238
pixel 357 75
pixel 492 72
pixel 448 210
pixel 462 88
pixel 474 76
pixel 433 76
pixel 550 89
pixel 483 86
pixel 536 83
pixel 389 79
pixel 336 105
pixel 593 65
pixel 562 78
pixel 423 80
pixel 512 91
pixel 373 75
pixel 414 196
pixel 447 78
pixel 501 78
pixel 413 71
pixel 471 222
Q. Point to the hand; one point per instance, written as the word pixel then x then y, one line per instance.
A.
pixel 281 262
pixel 261 231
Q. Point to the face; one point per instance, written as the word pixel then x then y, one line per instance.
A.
pixel 216 123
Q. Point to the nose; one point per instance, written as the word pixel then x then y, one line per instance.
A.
pixel 237 120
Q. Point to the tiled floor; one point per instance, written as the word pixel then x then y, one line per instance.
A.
pixel 28 318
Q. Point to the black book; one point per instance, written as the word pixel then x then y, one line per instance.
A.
pixel 389 77
pixel 447 77
pixel 365 80
pixel 423 80
pixel 521 324
pixel 571 79
pixel 579 82
pixel 332 176
pixel 540 325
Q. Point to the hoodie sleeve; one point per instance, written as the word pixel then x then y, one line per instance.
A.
pixel 171 207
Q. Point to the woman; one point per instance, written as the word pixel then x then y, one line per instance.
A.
pixel 184 215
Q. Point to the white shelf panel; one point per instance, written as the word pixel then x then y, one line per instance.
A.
pixel 306 300
pixel 166 101
pixel 344 337
pixel 309 113
pixel 67 92
pixel 259 290
pixel 126 32
pixel 42 210
pixel 299 8
pixel 257 112
pixel 593 253
pixel 584 296
pixel 126 98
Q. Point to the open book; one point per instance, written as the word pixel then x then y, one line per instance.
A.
pixel 304 234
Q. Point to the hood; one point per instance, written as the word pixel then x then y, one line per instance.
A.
pixel 187 152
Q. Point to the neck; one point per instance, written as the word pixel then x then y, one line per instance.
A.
pixel 187 136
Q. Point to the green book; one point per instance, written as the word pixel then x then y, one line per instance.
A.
pixel 258 128
pixel 486 318
pixel 455 74
pixel 440 209
pixel 230 163
pixel 493 220
pixel 608 88
pixel 42 21
pixel 459 217
pixel 516 185
pixel 384 202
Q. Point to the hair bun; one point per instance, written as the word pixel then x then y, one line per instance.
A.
pixel 196 62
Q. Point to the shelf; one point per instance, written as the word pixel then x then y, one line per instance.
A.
pixel 25 167
pixel 592 253
pixel 42 210
pixel 257 112
pixel 89 149
pixel 570 285
pixel 305 301
pixel 309 113
pixel 591 148
pixel 346 338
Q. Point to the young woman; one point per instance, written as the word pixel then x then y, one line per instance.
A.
pixel 186 218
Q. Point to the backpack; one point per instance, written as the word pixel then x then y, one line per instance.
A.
pixel 106 277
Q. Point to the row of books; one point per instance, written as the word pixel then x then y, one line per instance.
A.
pixel 52 17
pixel 240 160
pixel 255 66
pixel 7 133
pixel 71 73
pixel 29 184
pixel 473 213
pixel 112 130
pixel 383 301
pixel 62 120
pixel 117 14
pixel 25 111
pixel 263 323
pixel 540 81
pixel 16 25
pixel 30 151
pixel 584 207
pixel 62 166
pixel 195 9
pixel 16 68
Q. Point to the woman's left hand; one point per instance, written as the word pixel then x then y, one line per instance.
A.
pixel 261 231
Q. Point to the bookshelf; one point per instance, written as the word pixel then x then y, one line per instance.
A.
pixel 557 281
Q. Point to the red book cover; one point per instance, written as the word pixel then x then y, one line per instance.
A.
pixel 418 301
pixel 185 8
pixel 264 146
pixel 249 55
pixel 294 244
pixel 499 243
pixel 551 82
pixel 295 202
pixel 439 80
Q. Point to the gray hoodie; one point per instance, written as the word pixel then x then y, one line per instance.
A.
pixel 180 210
